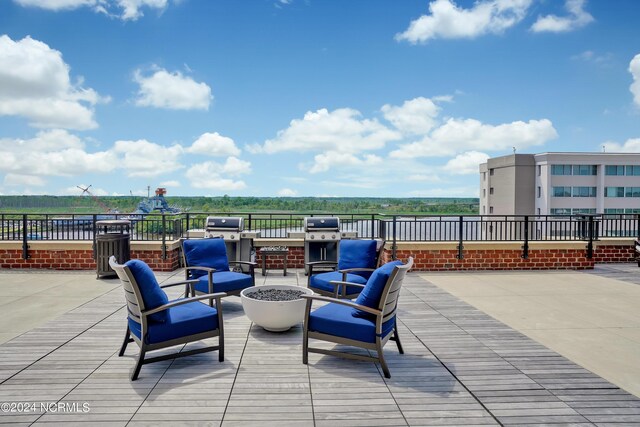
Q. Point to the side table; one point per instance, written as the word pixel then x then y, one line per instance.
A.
pixel 274 250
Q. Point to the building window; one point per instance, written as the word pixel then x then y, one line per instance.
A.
pixel 491 190
pixel 583 211
pixel 632 170
pixel 574 170
pixel 539 191
pixel 484 176
pixel 539 170
pixel 484 192
pixel 484 209
pixel 632 192
pixel 538 211
pixel 490 209
pixel 561 191
pixel 491 172
pixel 614 211
pixel 620 170
pixel 583 192
pixel 560 211
pixel 560 169
pixel 614 170
pixel 614 192
pixel 585 169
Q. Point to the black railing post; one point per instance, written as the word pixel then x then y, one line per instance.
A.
pixel 187 224
pixel 25 245
pixel 637 226
pixel 525 247
pixel 373 224
pixel 250 224
pixel 94 228
pixel 591 236
pixel 460 237
pixel 164 236
pixel 394 247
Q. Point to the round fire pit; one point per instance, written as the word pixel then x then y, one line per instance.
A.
pixel 275 307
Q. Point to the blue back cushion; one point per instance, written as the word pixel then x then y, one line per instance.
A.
pixel 357 254
pixel 210 253
pixel 152 295
pixel 372 292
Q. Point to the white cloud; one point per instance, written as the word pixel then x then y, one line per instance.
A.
pixel 593 57
pixel 466 163
pixel 447 20
pixel 340 130
pixel 577 18
pixel 28 180
pixel 174 184
pixel 35 84
pixel 142 158
pixel 52 153
pixel 173 91
pixel 634 69
pixel 420 177
pixel 211 175
pixel 77 190
pixel 123 9
pixel 416 116
pixel 214 144
pixel 631 145
pixel 458 135
pixel 287 192
pixel 331 159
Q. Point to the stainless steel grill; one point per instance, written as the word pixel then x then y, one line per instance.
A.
pixel 321 237
pixel 239 242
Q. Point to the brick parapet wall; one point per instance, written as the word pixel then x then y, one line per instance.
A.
pixel 428 256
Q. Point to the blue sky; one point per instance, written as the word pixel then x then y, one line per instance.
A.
pixel 306 97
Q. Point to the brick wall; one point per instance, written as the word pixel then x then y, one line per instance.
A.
pixel 80 257
pixel 428 256
pixel 495 259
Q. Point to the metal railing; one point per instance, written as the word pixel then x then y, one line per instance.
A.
pixel 393 228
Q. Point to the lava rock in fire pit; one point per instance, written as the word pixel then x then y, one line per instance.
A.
pixel 275 295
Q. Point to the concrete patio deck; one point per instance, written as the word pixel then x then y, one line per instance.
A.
pixel 460 367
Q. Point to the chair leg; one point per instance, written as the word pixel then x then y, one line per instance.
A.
pixel 126 341
pixel 396 338
pixel 383 363
pixel 305 345
pixel 139 364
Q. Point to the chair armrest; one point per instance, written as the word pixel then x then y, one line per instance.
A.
pixel 348 303
pixel 351 270
pixel 182 282
pixel 337 283
pixel 178 302
pixel 314 263
pixel 213 270
pixel 253 264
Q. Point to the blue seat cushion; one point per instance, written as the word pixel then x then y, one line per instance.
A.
pixel 224 281
pixel 339 320
pixel 210 253
pixel 321 281
pixel 357 254
pixel 183 320
pixel 152 295
pixel 372 292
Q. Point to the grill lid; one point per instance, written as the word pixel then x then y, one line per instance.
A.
pixel 224 223
pixel 319 223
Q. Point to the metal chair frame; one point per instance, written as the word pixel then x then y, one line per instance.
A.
pixel 137 312
pixel 386 310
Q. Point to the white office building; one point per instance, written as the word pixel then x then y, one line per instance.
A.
pixel 560 183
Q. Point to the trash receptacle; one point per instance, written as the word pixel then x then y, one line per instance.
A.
pixel 112 238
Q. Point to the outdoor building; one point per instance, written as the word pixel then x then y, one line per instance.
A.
pixel 561 184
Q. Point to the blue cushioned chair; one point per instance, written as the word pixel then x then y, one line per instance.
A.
pixel 356 261
pixel 206 260
pixel 368 322
pixel 154 322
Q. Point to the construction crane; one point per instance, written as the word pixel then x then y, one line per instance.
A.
pixel 85 190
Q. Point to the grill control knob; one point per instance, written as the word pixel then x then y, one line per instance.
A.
pixel 232 237
pixel 312 237
pixel 322 237
pixel 333 236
